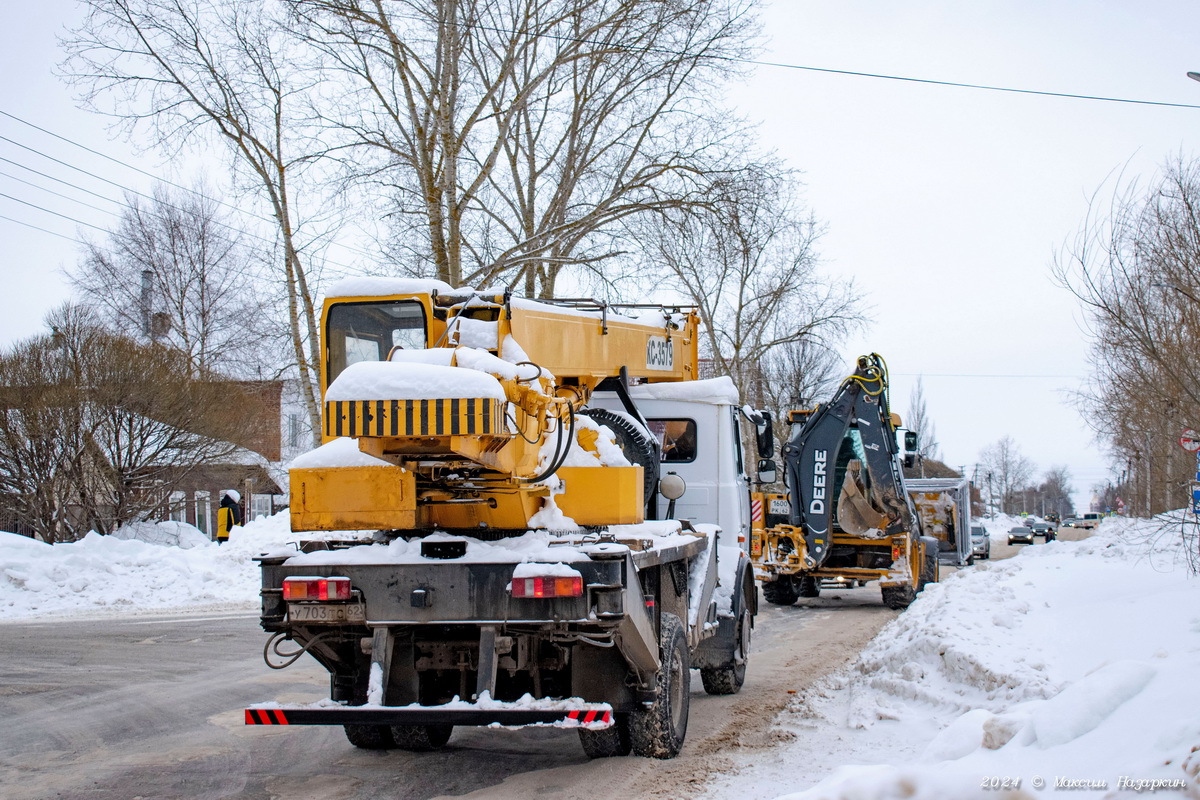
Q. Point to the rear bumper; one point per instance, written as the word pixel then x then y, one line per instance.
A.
pixel 587 715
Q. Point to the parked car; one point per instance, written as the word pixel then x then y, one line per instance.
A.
pixel 981 543
pixel 1021 534
pixel 1045 530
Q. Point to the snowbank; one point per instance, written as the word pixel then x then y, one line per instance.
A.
pixel 1072 664
pixel 147 572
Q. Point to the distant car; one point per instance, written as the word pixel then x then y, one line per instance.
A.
pixel 1027 522
pixel 1089 520
pixel 981 543
pixel 1043 529
pixel 1069 522
pixel 1020 534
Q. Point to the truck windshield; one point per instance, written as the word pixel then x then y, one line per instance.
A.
pixel 368 331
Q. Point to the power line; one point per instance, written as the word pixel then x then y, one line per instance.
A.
pixel 122 187
pixel 830 71
pixel 956 84
pixel 55 213
pixel 143 194
pixel 985 375
pixel 43 230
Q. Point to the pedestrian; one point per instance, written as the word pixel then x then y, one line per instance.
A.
pixel 228 515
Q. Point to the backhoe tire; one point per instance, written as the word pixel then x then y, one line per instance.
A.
pixel 658 731
pixel 421 738
pixel 607 743
pixel 780 592
pixel 898 597
pixel 370 737
pixel 641 449
pixel 810 586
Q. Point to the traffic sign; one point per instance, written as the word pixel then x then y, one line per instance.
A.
pixel 1190 441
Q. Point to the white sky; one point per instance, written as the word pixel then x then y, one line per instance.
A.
pixel 944 204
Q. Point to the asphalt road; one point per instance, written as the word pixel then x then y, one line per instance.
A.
pixel 151 707
pixel 117 709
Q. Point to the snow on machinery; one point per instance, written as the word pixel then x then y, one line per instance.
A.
pixel 850 517
pixel 484 536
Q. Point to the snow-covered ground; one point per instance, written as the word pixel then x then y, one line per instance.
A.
pixel 171 567
pixel 1073 666
pixel 1073 662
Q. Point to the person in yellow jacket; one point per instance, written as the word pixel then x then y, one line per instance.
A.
pixel 228 514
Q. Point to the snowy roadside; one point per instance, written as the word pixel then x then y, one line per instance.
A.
pixel 1072 666
pixel 102 575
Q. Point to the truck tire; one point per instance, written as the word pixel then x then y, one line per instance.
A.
pixel 780 592
pixel 898 597
pixel 607 743
pixel 370 737
pixel 810 586
pixel 421 738
pixel 635 444
pixel 729 680
pixel 929 569
pixel 658 731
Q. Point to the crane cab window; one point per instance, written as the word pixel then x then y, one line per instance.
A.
pixel 676 437
pixel 368 331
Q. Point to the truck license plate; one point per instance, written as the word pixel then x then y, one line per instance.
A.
pixel 331 613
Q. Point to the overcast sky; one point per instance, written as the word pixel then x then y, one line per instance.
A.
pixel 945 205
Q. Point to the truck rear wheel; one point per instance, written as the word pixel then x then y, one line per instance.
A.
pixel 780 592
pixel 609 742
pixel 658 731
pixel 421 738
pixel 370 737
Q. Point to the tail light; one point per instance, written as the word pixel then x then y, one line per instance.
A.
pixel 306 588
pixel 548 586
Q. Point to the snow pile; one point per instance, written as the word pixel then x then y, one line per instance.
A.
pixel 341 452
pixel 410 380
pixel 710 390
pixel 1072 665
pixel 112 574
pixel 383 286
pixel 167 534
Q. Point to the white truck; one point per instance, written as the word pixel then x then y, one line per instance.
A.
pixel 525 513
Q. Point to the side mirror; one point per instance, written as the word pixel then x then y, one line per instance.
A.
pixel 765 436
pixel 910 459
pixel 910 441
pixel 766 470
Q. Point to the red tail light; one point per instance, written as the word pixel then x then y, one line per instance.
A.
pixel 306 588
pixel 549 586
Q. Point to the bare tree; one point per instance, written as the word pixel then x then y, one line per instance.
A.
pixel 1056 491
pixel 750 266
pixel 97 428
pixel 1136 269
pixel 515 135
pixel 195 69
pixel 177 272
pixel 1009 470
pixel 918 421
